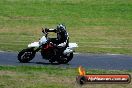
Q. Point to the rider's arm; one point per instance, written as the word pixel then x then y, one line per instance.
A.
pixel 50 30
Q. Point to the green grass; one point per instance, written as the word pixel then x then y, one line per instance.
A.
pixel 98 26
pixel 50 77
pixel 103 26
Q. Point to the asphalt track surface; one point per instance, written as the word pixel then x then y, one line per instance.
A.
pixel 90 61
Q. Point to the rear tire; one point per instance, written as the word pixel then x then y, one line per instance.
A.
pixel 65 59
pixel 26 55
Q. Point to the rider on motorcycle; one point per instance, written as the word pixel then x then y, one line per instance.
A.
pixel 62 39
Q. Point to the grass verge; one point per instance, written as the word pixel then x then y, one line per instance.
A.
pixel 97 26
pixel 50 77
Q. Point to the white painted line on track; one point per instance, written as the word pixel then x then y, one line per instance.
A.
pixel 1 51
pixel 76 53
pixel 113 54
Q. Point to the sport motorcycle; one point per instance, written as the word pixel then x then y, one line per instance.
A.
pixel 47 50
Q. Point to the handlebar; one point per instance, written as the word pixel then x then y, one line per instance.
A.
pixel 46 30
pixel 46 33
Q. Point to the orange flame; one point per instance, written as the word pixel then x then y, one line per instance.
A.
pixel 81 71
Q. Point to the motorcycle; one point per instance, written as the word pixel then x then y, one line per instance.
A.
pixel 48 51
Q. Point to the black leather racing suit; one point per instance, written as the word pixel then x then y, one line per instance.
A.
pixel 61 41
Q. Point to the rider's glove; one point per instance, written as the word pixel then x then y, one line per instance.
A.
pixel 43 30
pixel 46 30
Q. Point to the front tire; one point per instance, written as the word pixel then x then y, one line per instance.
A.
pixel 65 59
pixel 26 55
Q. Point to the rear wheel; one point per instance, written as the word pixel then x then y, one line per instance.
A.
pixel 26 55
pixel 65 59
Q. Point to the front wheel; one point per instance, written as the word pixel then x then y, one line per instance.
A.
pixel 65 59
pixel 26 55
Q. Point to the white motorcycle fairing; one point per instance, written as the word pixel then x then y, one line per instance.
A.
pixel 34 44
pixel 43 40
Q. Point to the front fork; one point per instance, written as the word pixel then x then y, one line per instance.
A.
pixel 36 50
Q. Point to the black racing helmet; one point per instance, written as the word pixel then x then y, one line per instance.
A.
pixel 61 27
